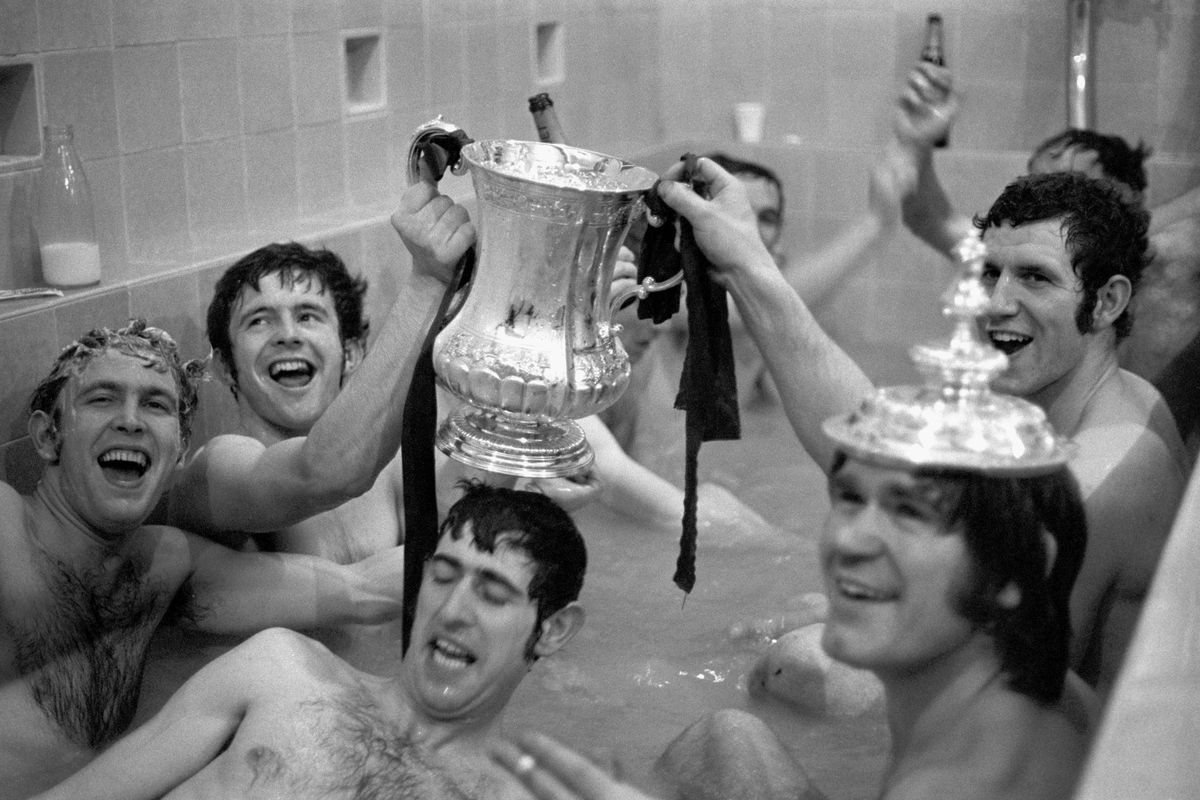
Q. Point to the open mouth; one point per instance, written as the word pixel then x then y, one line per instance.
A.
pixel 293 373
pixel 853 590
pixel 1008 342
pixel 123 465
pixel 449 655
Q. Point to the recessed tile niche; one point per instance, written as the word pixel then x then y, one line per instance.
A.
pixel 363 71
pixel 20 135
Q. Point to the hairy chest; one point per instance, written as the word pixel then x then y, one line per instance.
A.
pixel 339 747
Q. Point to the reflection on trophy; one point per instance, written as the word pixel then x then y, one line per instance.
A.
pixel 531 348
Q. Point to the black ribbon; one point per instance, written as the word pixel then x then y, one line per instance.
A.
pixel 708 385
pixel 419 422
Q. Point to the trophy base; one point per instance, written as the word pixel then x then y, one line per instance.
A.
pixel 511 447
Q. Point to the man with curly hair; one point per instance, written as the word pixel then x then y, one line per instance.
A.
pixel 84 581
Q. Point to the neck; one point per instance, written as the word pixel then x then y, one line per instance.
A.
pixel 252 425
pixel 1067 400
pixel 58 529
pixel 925 703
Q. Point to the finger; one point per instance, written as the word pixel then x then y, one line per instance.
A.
pixel 524 768
pixel 576 773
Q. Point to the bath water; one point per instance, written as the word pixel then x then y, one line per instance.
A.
pixel 649 661
pixel 71 263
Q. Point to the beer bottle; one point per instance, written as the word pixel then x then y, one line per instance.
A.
pixel 546 120
pixel 935 53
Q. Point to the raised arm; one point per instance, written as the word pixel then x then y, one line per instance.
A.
pixel 236 484
pixel 815 378
pixel 242 593
pixel 816 274
pixel 925 112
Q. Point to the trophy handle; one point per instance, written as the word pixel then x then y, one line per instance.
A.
pixel 644 289
pixel 434 146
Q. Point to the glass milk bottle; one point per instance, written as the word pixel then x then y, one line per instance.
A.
pixel 65 222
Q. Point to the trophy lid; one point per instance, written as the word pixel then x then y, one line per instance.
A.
pixel 954 420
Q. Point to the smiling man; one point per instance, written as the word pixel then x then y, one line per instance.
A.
pixel 1065 253
pixel 948 568
pixel 280 716
pixel 84 582
pixel 312 466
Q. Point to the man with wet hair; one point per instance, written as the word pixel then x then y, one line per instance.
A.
pixel 281 716
pixel 1064 253
pixel 85 582
pixel 948 560
pixel 1164 345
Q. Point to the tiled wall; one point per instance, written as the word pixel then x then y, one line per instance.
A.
pixel 209 127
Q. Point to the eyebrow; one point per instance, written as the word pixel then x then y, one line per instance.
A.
pixel 142 389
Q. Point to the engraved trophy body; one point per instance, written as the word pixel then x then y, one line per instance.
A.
pixel 532 347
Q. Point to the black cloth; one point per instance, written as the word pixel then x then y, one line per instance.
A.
pixel 708 385
pixel 419 422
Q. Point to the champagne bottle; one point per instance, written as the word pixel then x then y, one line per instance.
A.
pixel 934 52
pixel 546 120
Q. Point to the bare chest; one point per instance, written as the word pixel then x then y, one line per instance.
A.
pixel 334 748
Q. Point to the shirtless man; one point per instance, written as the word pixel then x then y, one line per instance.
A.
pixel 1164 345
pixel 952 586
pixel 280 716
pixel 84 582
pixel 1064 253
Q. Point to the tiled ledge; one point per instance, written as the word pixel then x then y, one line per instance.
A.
pixel 197 259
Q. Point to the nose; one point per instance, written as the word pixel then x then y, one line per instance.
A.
pixel 287 331
pixel 1001 297
pixel 855 537
pixel 129 417
pixel 459 607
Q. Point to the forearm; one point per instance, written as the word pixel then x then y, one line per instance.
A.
pixel 928 212
pixel 815 275
pixel 815 378
pixel 244 593
pixel 360 432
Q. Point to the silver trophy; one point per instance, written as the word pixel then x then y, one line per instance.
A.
pixel 532 347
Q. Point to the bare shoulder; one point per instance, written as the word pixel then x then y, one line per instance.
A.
pixel 1128 433
pixel 281 655
pixel 1007 749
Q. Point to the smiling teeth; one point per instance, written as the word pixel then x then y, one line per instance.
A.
pixel 291 365
pixel 449 654
pixel 1006 336
pixel 128 456
pixel 858 591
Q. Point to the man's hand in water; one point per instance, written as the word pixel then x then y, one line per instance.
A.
pixel 551 771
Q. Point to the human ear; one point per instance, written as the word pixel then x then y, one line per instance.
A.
pixel 222 371
pixel 44 435
pixel 1111 300
pixel 352 356
pixel 558 629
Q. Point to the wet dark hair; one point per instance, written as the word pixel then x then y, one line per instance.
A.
pixel 137 339
pixel 294 263
pixel 1116 157
pixel 1105 233
pixel 737 166
pixel 529 522
pixel 1001 520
